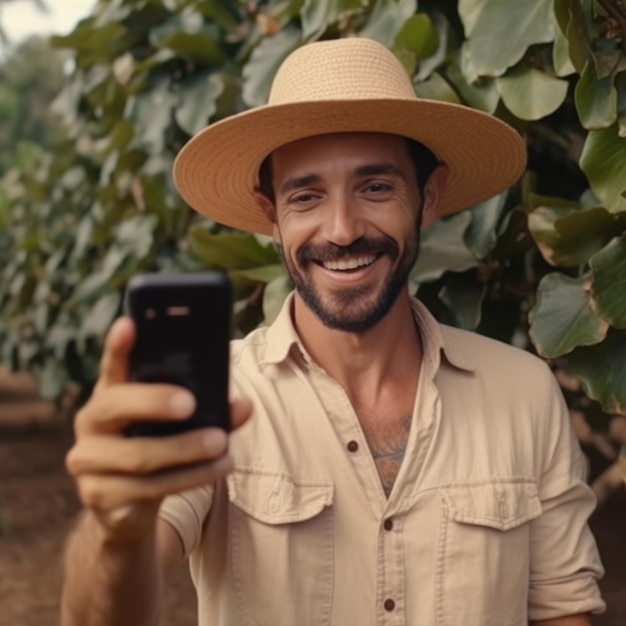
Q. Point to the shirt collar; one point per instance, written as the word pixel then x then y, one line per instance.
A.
pixel 282 338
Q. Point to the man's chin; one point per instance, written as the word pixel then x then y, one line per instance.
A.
pixel 349 310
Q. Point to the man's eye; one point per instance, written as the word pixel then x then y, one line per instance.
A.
pixel 303 198
pixel 379 187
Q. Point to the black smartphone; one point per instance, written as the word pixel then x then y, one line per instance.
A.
pixel 183 334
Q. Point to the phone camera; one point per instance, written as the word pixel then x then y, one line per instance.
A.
pixel 150 314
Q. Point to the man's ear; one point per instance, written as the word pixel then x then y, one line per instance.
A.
pixel 269 210
pixel 433 192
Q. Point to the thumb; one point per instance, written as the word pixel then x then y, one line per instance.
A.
pixel 114 365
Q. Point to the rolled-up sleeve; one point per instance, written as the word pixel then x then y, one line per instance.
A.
pixel 565 564
pixel 186 512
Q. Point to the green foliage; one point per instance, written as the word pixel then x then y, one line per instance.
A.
pixel 30 78
pixel 149 73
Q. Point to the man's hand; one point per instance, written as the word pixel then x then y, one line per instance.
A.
pixel 123 480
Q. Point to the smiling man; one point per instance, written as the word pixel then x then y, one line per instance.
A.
pixel 395 471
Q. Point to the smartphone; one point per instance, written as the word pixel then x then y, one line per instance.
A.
pixel 183 335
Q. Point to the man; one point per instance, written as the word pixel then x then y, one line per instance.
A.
pixel 395 471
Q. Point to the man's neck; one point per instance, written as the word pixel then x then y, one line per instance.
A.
pixel 365 364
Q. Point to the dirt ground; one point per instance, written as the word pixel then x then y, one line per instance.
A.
pixel 38 506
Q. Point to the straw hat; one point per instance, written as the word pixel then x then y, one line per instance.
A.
pixel 344 85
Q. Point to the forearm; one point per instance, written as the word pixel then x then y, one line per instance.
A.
pixel 110 583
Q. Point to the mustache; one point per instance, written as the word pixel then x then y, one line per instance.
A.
pixel 311 253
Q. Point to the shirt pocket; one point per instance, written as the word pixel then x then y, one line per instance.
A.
pixel 282 548
pixel 483 552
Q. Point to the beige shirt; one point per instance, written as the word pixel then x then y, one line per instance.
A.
pixel 486 524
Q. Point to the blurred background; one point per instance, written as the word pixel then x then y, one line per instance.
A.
pixel 97 97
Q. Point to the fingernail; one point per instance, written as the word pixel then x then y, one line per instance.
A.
pixel 182 404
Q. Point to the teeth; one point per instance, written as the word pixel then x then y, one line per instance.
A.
pixel 349 264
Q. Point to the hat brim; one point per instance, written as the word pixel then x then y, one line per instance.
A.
pixel 216 172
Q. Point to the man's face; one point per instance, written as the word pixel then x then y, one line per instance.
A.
pixel 347 223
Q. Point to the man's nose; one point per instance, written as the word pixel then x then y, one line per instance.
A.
pixel 343 224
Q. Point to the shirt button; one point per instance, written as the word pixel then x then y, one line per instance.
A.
pixel 353 446
pixel 388 524
pixel 390 605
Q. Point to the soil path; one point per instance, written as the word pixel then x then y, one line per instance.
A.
pixel 38 506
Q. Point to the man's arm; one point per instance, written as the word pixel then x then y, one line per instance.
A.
pixel 120 550
pixel 564 565
pixel 112 582
pixel 582 619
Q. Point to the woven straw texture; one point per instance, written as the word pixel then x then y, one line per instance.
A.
pixel 345 85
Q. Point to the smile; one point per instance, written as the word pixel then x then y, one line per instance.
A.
pixel 354 263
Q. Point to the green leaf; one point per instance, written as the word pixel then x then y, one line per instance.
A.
pixel 203 47
pixel 60 335
pixel 568 237
pixel 531 94
pixel 604 162
pixel 101 316
pixel 481 94
pixel 151 114
pixel 596 99
pixel 563 65
pixel 481 235
pixel 418 35
pixel 317 15
pixel 217 11
pixel 562 14
pixel 608 268
pixel 436 87
pixel 443 249
pixel 97 280
pixel 265 60
pixel 562 318
pixel 387 20
pixel 464 298
pixel 187 21
pixel 620 87
pixel 428 65
pixel 136 234
pixel 577 37
pixel 262 274
pixel 52 379
pixel 499 33
pixel 602 371
pixel 274 297
pixel 199 101
pixel 230 251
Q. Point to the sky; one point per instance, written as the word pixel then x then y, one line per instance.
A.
pixel 22 18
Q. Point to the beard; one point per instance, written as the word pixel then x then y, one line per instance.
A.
pixel 352 309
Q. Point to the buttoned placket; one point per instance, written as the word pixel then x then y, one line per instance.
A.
pixel 391 558
pixel 390 575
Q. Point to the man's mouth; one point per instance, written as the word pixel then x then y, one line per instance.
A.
pixel 353 263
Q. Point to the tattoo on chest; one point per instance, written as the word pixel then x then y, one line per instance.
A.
pixel 388 446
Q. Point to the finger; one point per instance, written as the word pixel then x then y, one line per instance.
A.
pixel 117 406
pixel 142 456
pixel 114 365
pixel 102 492
pixel 240 412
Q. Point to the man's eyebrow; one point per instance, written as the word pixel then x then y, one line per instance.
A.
pixel 376 169
pixel 371 169
pixel 299 181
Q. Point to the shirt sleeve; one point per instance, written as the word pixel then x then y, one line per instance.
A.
pixel 565 564
pixel 186 512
